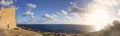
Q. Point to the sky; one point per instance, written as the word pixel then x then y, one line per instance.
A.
pixel 63 11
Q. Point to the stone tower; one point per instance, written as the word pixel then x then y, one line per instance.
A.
pixel 7 18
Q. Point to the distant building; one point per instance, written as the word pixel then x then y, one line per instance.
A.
pixel 7 18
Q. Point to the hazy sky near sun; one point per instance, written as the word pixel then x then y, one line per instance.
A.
pixel 54 11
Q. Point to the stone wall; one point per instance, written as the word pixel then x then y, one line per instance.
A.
pixel 7 18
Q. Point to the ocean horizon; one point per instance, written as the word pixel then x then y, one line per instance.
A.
pixel 59 28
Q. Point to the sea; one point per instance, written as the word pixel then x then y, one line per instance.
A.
pixel 59 28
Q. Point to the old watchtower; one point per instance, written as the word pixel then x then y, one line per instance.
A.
pixel 7 18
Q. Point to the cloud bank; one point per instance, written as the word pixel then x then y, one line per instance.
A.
pixel 31 5
pixel 29 13
pixel 49 17
pixel 6 2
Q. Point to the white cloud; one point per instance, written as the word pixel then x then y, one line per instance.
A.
pixel 6 2
pixel 79 15
pixel 83 15
pixel 29 12
pixel 50 17
pixel 107 2
pixel 76 4
pixel 63 12
pixel 71 3
pixel 68 18
pixel 55 16
pixel 33 18
pixel 30 5
pixel 74 9
pixel 17 8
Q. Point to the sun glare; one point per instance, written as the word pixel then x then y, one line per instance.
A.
pixel 99 18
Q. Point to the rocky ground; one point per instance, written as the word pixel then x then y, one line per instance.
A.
pixel 6 32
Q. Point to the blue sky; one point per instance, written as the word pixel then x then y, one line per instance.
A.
pixel 42 7
pixel 57 11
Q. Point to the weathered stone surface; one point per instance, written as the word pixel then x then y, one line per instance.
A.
pixel 6 32
pixel 7 18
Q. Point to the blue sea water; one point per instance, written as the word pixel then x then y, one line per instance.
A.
pixel 59 28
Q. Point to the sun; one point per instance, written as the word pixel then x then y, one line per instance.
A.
pixel 99 18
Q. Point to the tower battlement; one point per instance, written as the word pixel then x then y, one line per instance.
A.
pixel 7 18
